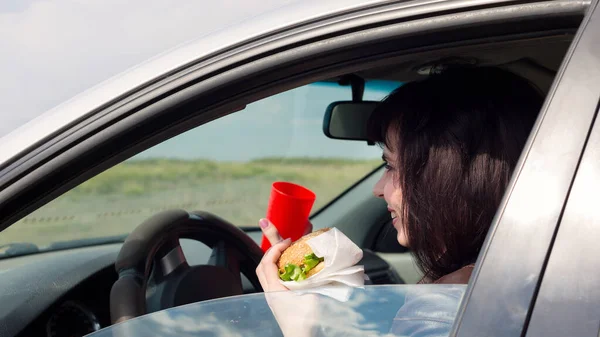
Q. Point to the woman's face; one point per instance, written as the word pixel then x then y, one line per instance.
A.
pixel 388 188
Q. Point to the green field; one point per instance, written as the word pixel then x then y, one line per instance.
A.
pixel 117 200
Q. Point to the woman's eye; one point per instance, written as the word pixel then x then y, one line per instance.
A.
pixel 387 166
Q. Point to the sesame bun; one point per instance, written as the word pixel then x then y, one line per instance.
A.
pixel 295 253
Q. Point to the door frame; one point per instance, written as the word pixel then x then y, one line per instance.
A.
pixel 510 268
pixel 567 300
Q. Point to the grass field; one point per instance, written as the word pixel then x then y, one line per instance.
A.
pixel 119 199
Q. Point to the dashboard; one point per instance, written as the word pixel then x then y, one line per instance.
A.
pixel 83 310
pixel 66 293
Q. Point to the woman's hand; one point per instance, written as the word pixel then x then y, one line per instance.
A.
pixel 267 271
pixel 303 319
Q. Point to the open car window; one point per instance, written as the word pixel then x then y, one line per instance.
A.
pixel 225 167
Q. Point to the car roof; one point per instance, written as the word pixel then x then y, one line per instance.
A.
pixel 262 18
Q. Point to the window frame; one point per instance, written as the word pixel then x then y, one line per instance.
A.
pixel 568 296
pixel 503 279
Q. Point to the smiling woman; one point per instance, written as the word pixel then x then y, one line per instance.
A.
pixel 451 143
pixel 225 167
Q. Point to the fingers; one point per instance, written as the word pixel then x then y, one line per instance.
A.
pixel 260 274
pixel 273 254
pixel 267 271
pixel 270 270
pixel 269 231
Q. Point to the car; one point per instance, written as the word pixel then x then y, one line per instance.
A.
pixel 132 208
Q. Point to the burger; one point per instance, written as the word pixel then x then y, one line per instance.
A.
pixel 298 262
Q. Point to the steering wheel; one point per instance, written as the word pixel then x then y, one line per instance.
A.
pixel 154 274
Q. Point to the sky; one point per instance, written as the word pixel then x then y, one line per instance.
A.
pixel 53 50
pixel 289 124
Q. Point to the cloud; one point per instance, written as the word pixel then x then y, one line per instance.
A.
pixel 251 316
pixel 180 324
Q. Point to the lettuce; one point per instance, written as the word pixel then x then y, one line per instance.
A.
pixel 311 261
pixel 296 273
pixel 292 272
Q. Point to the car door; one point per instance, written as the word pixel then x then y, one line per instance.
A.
pixel 532 271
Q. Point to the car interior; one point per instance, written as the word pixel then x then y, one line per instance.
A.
pixel 75 292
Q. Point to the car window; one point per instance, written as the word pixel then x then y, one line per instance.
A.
pixel 225 167
pixel 398 310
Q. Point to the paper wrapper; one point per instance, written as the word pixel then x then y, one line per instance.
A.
pixel 340 272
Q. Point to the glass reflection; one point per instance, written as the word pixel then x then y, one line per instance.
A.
pixel 399 310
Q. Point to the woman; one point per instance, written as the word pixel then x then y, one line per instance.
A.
pixel 450 144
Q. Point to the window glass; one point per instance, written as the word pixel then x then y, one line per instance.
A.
pixel 225 167
pixel 385 311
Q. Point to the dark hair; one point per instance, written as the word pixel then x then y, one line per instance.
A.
pixel 458 136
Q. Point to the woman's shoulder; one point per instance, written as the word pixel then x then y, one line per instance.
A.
pixel 460 276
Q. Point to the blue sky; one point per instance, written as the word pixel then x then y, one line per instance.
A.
pixel 285 125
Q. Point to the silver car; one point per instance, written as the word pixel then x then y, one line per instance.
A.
pixel 131 209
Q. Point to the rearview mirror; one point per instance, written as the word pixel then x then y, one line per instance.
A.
pixel 348 120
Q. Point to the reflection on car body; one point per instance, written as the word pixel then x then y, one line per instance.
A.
pixel 371 311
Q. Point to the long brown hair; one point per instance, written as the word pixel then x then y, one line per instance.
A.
pixel 458 136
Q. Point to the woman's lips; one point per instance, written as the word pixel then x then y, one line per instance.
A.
pixel 394 215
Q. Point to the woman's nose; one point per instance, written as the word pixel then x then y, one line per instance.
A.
pixel 378 188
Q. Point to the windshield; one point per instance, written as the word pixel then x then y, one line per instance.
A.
pixel 225 167
pixel 415 310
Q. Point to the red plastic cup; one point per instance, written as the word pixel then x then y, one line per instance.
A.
pixel 288 209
